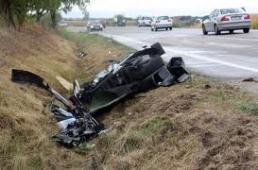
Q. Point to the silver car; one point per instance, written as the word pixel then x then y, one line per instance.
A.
pixel 162 22
pixel 229 19
pixel 144 21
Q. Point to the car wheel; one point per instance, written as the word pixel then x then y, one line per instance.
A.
pixel 231 31
pixel 204 30
pixel 216 29
pixel 152 29
pixel 156 29
pixel 171 28
pixel 246 30
pixel 166 29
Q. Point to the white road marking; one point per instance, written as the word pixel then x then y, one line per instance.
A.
pixel 203 65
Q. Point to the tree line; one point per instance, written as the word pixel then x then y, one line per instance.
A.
pixel 15 12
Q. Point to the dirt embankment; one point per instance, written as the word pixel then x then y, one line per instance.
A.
pixel 196 125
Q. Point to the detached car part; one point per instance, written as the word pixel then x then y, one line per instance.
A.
pixel 139 72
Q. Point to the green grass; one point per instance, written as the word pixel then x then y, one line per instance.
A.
pixel 249 107
pixel 131 143
pixel 83 40
pixel 144 133
pixel 153 127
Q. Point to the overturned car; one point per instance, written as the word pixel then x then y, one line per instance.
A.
pixel 139 72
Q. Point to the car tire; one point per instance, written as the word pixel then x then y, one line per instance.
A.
pixel 246 30
pixel 216 29
pixel 156 29
pixel 231 31
pixel 171 28
pixel 204 30
pixel 152 29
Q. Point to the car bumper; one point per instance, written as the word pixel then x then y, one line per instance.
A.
pixel 145 24
pixel 95 29
pixel 162 26
pixel 234 26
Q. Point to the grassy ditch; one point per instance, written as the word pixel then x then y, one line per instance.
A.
pixel 200 124
pixel 25 122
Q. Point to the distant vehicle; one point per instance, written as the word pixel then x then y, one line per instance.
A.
pixel 162 22
pixel 229 19
pixel 144 21
pixel 94 26
pixel 120 21
pixel 62 24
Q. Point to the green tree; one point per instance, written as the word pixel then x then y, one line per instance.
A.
pixel 16 11
pixel 6 12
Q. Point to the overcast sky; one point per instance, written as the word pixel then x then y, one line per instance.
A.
pixel 134 8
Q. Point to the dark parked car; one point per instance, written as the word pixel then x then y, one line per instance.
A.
pixel 95 26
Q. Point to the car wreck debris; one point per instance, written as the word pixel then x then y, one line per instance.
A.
pixel 139 72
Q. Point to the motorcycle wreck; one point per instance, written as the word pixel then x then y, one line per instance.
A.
pixel 139 72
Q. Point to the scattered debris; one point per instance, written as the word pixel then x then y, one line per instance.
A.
pixel 66 84
pixel 250 80
pixel 139 72
pixel 207 86
pixel 76 123
pixel 82 53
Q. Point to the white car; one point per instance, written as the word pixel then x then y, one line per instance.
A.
pixel 144 21
pixel 162 22
pixel 228 19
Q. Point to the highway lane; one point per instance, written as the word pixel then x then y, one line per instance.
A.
pixel 230 57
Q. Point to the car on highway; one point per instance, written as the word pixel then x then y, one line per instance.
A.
pixel 144 21
pixel 95 26
pixel 162 22
pixel 228 19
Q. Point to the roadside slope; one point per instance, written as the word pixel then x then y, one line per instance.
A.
pixel 195 125
pixel 200 124
pixel 26 126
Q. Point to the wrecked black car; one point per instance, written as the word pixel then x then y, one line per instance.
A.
pixel 139 72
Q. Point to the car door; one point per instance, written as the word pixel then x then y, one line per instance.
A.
pixel 208 22
pixel 214 19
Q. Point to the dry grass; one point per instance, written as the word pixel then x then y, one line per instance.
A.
pixel 26 124
pixel 254 18
pixel 187 126
pixel 196 125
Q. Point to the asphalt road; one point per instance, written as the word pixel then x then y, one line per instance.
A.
pixel 227 56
